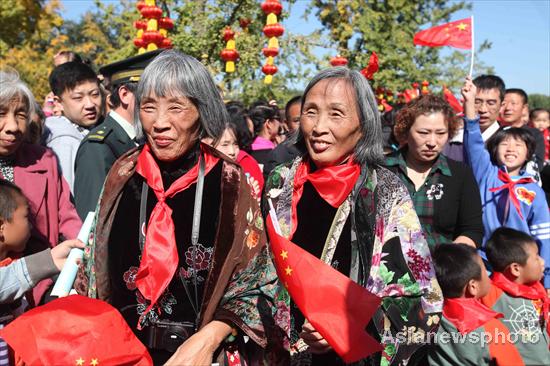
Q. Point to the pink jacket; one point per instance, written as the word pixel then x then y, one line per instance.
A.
pixel 37 173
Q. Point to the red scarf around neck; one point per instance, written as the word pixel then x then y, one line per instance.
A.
pixel 535 292
pixel 510 184
pixel 159 258
pixel 467 314
pixel 333 183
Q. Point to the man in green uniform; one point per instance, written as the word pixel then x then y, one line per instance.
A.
pixel 116 135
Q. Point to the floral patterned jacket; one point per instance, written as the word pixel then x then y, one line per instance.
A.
pixel 390 256
pixel 241 281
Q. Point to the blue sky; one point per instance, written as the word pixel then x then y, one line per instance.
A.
pixel 518 29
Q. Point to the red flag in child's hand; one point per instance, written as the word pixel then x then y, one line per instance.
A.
pixel 372 67
pixel 338 308
pixel 455 34
pixel 451 99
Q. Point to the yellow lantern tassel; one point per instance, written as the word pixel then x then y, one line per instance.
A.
pixel 151 47
pixel 268 79
pixel 231 44
pixel 139 33
pixel 150 2
pixel 152 25
pixel 230 66
pixel 141 50
pixel 271 19
pixel 270 60
pixel 273 42
pixel 164 32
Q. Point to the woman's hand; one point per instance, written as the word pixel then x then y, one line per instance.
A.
pixel 199 348
pixel 61 251
pixel 317 344
pixel 469 92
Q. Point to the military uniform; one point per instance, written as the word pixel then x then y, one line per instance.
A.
pixel 96 154
pixel 107 142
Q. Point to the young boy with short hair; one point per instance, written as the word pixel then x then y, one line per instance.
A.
pixel 76 89
pixel 19 276
pixel 466 334
pixel 518 293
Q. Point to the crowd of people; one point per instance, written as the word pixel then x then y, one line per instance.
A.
pixel 444 217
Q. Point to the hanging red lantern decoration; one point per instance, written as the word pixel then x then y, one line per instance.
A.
pixel 267 51
pixel 372 66
pixel 425 89
pixel 229 54
pixel 244 23
pixel 166 23
pixel 272 30
pixel 153 28
pixel 338 61
pixel 151 12
pixel 272 6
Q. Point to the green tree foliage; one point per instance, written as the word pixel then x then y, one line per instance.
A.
pixel 539 101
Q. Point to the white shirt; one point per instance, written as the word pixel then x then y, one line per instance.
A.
pixel 485 135
pixel 126 126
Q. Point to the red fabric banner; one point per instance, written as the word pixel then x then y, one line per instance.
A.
pixel 451 99
pixel 338 308
pixel 456 34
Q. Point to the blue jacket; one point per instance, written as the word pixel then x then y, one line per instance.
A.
pixel 497 210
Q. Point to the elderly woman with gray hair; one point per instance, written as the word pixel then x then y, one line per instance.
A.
pixel 179 245
pixel 337 192
pixel 35 170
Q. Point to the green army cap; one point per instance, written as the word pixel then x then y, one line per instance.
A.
pixel 128 70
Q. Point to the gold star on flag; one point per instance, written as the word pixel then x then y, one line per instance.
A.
pixel 94 362
pixel 288 271
pixel 284 254
pixel 462 26
pixel 80 362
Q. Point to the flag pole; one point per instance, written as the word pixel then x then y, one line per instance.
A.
pixel 473 48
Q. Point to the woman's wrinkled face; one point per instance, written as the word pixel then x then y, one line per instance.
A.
pixel 171 125
pixel 13 126
pixel 427 137
pixel 330 122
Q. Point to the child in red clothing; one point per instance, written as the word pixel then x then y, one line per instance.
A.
pixel 518 293
pixel 467 334
pixel 540 119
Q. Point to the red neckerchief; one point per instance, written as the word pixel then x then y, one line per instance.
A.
pixel 467 314
pixel 159 258
pixel 535 292
pixel 510 184
pixel 6 262
pixel 333 183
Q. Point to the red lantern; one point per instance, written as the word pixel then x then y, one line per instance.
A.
pixel 272 6
pixel 338 61
pixel 269 69
pixel 229 55
pixel 151 12
pixel 244 22
pixel 270 51
pixel 228 34
pixel 152 37
pixel 140 5
pixel 166 43
pixel 274 30
pixel 140 24
pixel 166 23
pixel 139 43
pixel 415 85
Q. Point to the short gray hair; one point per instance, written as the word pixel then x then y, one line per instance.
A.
pixel 175 73
pixel 369 147
pixel 11 87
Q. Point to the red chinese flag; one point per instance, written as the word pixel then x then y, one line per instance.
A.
pixel 372 67
pixel 75 330
pixel 455 34
pixel 338 308
pixel 451 99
